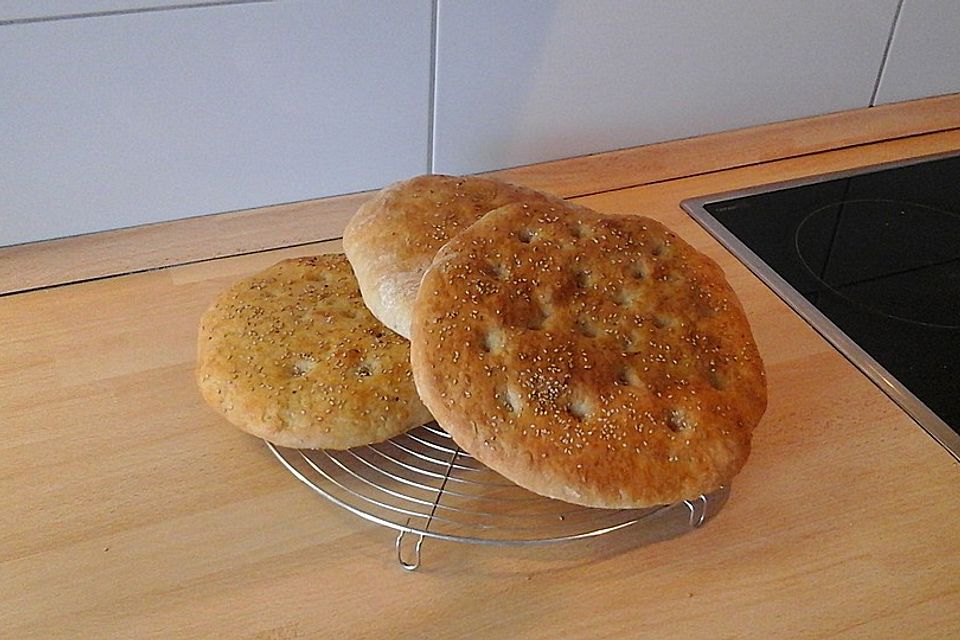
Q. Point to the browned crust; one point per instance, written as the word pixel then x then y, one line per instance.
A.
pixel 393 237
pixel 291 355
pixel 596 359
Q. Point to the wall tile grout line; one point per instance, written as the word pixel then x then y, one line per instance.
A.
pixel 432 99
pixel 886 53
pixel 123 12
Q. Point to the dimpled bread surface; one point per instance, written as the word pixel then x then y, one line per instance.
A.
pixel 291 355
pixel 393 237
pixel 596 359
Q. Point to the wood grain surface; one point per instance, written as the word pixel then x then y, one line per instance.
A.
pixel 132 510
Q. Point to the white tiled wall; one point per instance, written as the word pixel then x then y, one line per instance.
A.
pixel 519 82
pixel 156 111
pixel 924 57
pixel 128 119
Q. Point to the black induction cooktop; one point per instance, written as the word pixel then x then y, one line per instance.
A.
pixel 871 258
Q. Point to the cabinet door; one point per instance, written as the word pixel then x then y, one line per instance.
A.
pixel 924 56
pixel 520 82
pixel 120 120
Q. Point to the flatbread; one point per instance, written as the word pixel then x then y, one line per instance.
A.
pixel 596 359
pixel 393 237
pixel 291 355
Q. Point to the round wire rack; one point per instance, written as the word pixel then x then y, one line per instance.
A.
pixel 421 483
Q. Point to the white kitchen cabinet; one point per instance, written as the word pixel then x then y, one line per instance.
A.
pixel 127 119
pixel 521 82
pixel 924 56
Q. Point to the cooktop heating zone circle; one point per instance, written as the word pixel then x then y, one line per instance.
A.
pixel 898 259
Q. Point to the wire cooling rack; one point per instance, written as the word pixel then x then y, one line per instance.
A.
pixel 422 484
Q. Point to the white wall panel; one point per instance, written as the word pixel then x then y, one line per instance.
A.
pixel 520 82
pixel 924 57
pixel 122 120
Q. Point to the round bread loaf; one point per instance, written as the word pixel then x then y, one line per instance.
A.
pixel 596 359
pixel 393 237
pixel 293 356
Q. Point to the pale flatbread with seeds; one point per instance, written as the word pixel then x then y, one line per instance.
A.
pixel 596 359
pixel 393 237
pixel 293 356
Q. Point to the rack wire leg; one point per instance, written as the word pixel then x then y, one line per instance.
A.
pixel 415 563
pixel 698 511
pixel 413 566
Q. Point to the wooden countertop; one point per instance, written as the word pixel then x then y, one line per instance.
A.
pixel 132 510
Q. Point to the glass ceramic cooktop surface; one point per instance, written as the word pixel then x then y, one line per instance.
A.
pixel 871 259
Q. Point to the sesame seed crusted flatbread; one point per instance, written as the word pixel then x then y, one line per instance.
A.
pixel 393 237
pixel 291 355
pixel 596 359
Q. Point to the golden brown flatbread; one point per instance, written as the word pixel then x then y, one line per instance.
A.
pixel 596 359
pixel 293 356
pixel 393 237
